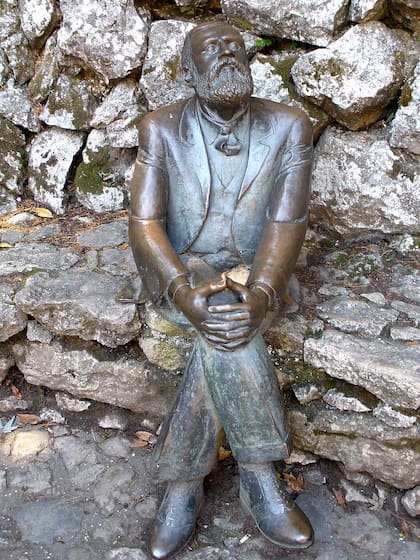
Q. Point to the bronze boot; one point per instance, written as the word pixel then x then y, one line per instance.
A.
pixel 176 518
pixel 279 519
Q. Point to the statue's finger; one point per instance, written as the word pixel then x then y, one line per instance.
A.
pixel 228 308
pixel 225 326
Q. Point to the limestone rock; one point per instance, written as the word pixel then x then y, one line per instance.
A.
pixel 50 159
pixel 46 72
pixel 268 84
pixel 392 417
pixel 38 333
pixel 118 262
pixel 288 334
pixel 306 392
pixel 32 257
pixel 17 108
pixel 405 128
pixel 69 403
pixel 354 316
pixel 88 370
pixel 406 12
pixel 367 10
pixel 119 115
pixel 12 158
pixel 162 81
pixel 404 333
pixel 360 443
pixel 6 361
pixel 103 178
pixel 37 18
pixel 411 501
pixel 389 371
pixel 309 21
pixel 108 37
pixel 20 57
pixel 110 234
pixel 340 401
pixel 272 80
pixel 166 354
pixel 25 443
pixel 80 303
pixel 412 311
pixel 406 282
pixel 12 319
pixel 360 185
pixel 4 67
pixel 70 104
pixel 355 78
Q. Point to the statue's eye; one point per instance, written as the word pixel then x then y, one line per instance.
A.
pixel 234 46
pixel 210 48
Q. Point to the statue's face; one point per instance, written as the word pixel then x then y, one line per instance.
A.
pixel 220 72
pixel 217 44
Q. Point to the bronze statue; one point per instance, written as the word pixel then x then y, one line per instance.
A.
pixel 222 181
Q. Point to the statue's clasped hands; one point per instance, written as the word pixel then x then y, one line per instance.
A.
pixel 225 326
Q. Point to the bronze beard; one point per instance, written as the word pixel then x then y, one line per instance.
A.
pixel 227 83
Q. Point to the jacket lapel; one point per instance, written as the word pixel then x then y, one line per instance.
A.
pixel 261 129
pixel 196 160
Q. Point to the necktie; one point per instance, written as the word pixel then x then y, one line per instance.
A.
pixel 227 142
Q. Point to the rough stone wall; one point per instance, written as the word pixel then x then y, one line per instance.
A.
pixel 75 78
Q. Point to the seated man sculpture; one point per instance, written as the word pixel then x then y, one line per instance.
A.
pixel 222 181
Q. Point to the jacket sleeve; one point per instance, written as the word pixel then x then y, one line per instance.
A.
pixel 287 214
pixel 157 262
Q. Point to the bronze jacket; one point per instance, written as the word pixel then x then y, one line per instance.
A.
pixel 171 188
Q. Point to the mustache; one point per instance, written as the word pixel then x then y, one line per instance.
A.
pixel 217 69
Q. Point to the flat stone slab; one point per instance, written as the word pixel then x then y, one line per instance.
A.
pixel 88 370
pixel 389 371
pixel 46 520
pixel 110 234
pixel 354 316
pixel 80 303
pixel 12 319
pixel 30 257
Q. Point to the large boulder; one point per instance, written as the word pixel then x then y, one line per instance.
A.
pixel 51 156
pixel 162 81
pixel 16 106
pixel 107 36
pixel 360 185
pixel 367 10
pixel 309 21
pixel 272 80
pixel 70 104
pixel 119 114
pixel 406 12
pixel 88 370
pixel 360 441
pixel 355 78
pixel 103 178
pixel 405 128
pixel 46 72
pixel 388 370
pixel 80 303
pixel 12 161
pixel 37 18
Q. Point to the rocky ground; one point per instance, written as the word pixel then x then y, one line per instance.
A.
pixel 74 473
pixel 71 490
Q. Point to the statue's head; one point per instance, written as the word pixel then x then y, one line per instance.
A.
pixel 215 64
